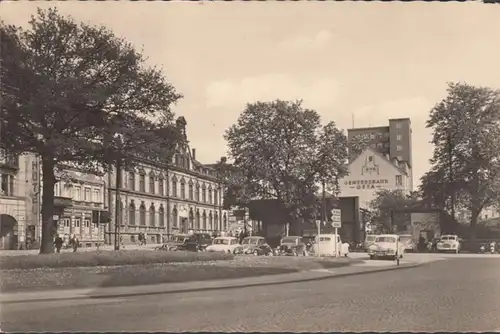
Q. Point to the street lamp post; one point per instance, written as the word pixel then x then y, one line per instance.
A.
pixel 117 193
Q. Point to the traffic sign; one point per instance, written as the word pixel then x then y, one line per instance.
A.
pixel 336 218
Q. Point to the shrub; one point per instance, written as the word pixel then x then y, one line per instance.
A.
pixel 106 258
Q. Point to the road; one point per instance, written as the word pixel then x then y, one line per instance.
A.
pixel 455 294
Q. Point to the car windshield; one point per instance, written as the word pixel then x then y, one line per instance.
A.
pixel 386 239
pixel 370 238
pixel 218 241
pixel 405 238
pixel 324 239
pixel 288 240
pixel 250 241
pixel 448 238
pixel 179 238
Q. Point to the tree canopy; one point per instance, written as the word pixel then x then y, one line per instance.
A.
pixel 77 95
pixel 388 208
pixel 466 159
pixel 282 152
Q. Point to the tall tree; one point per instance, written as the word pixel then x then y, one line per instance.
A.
pixel 357 145
pixel 466 159
pixel 283 152
pixel 80 96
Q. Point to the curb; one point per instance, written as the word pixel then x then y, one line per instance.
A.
pixel 222 287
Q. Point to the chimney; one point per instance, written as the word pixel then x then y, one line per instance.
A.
pixel 193 153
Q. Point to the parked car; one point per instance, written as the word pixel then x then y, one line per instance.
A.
pixel 197 242
pixel 177 241
pixel 325 245
pixel 254 245
pixel 386 246
pixel 369 240
pixel 292 245
pixel 448 243
pixel 407 240
pixel 223 244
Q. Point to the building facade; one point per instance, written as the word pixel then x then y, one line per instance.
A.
pixel 370 172
pixel 180 196
pixel 393 141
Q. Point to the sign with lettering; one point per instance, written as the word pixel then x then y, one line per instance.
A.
pixel 366 184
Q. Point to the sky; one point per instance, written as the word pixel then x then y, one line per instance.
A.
pixel 347 60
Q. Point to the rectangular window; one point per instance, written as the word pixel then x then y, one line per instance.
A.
pixel 131 180
pixel 399 147
pixel 399 125
pixel 97 196
pixel 66 222
pixel 399 180
pixel 86 195
pixel 399 137
pixel 86 223
pixel 380 145
pixel 57 189
pixel 77 222
pixel 77 193
pixel 372 136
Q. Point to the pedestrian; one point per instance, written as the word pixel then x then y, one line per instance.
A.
pixel 145 238
pixel 58 242
pixel 421 243
pixel 75 244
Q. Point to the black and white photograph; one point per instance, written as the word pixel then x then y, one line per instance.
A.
pixel 249 166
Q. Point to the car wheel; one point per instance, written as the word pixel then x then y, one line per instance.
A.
pixel 345 255
pixel 256 252
pixel 372 257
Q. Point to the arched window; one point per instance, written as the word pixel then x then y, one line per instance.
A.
pixel 142 181
pixel 204 220
pixel 216 221
pixel 198 220
pixel 224 221
pixel 216 198
pixel 120 212
pixel 183 188
pixel 152 215
pixel 210 195
pixel 204 193
pixel 151 183
pixel 142 214
pixel 210 221
pixel 197 192
pixel 161 191
pixel 131 180
pixel 175 217
pixel 174 186
pixel 191 219
pixel 131 213
pixel 191 195
pixel 161 215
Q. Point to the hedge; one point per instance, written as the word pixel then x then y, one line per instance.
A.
pixel 107 258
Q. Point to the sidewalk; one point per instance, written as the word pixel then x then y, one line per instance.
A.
pixel 130 291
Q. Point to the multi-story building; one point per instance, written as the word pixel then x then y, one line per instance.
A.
pixel 179 196
pixel 370 172
pixel 12 200
pixel 393 141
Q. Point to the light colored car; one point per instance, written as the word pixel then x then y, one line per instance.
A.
pixel 407 240
pixel 386 245
pixel 223 244
pixel 449 243
pixel 326 245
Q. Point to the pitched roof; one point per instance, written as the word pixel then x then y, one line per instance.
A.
pixel 381 156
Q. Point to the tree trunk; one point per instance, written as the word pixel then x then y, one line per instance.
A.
pixel 48 226
pixel 473 227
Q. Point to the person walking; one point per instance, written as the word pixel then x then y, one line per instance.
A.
pixel 58 242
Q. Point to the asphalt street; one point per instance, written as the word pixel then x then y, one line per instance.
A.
pixel 455 294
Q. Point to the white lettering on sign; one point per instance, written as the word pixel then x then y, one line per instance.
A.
pixel 336 214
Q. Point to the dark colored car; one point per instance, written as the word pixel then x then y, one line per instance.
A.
pixel 197 242
pixel 254 245
pixel 292 245
pixel 176 242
